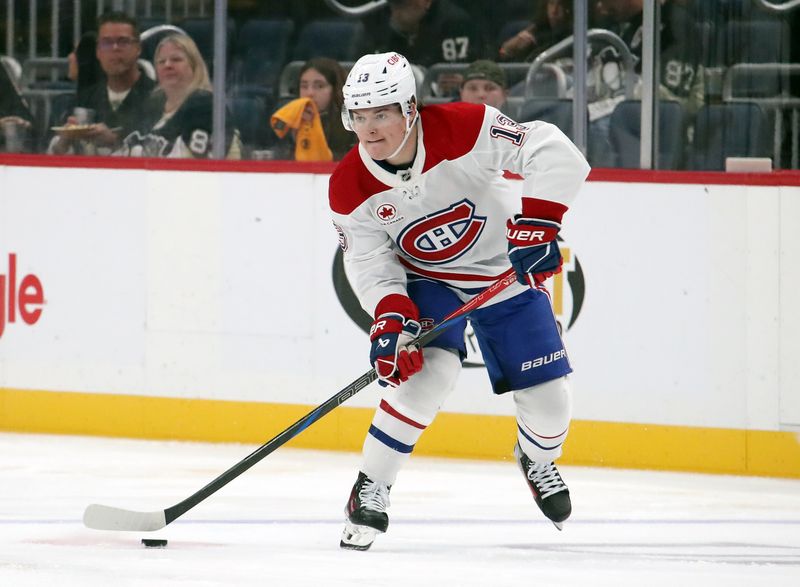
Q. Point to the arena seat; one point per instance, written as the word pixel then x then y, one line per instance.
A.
pixel 339 39
pixel 625 134
pixel 737 129
pixel 12 69
pixel 201 30
pixel 756 42
pixel 262 48
pixel 554 111
pixel 250 115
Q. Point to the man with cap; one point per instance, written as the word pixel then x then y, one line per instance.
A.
pixel 484 83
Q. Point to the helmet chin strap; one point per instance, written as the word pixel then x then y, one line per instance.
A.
pixel 409 126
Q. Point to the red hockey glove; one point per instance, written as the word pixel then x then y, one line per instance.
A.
pixel 396 325
pixel 532 245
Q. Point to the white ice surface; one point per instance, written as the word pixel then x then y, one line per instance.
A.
pixel 452 522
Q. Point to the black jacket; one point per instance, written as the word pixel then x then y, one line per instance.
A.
pixel 128 117
pixel 186 134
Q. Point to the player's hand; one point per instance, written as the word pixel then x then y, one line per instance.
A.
pixel 533 249
pixel 395 328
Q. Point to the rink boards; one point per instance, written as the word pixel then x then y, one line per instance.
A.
pixel 186 301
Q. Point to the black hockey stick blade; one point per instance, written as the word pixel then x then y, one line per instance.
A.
pixel 102 517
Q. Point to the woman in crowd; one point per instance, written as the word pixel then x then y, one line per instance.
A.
pixel 180 113
pixel 311 126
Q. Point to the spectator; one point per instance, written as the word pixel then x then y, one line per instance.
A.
pixel 15 117
pixel 118 100
pixel 485 83
pixel 427 32
pixel 682 76
pixel 315 119
pixel 551 24
pixel 179 115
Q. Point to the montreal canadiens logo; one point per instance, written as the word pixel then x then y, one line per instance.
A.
pixel 444 235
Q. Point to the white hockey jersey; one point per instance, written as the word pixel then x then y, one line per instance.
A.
pixel 445 217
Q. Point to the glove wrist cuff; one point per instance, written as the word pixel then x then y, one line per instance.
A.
pixel 544 209
pixel 397 304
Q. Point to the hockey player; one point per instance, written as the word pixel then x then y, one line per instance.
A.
pixel 426 220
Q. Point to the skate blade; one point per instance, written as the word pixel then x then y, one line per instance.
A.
pixel 355 537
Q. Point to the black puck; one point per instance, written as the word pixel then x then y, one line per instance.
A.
pixel 154 543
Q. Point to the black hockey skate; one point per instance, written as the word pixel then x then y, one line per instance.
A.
pixel 548 489
pixel 365 513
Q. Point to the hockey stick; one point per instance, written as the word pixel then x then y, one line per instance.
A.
pixel 102 517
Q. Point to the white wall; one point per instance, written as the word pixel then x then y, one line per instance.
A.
pixel 218 285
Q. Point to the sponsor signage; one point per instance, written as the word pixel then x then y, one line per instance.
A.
pixel 21 298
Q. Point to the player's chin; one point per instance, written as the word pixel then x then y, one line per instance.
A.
pixel 377 149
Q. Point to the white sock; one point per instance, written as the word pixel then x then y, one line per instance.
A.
pixel 404 414
pixel 543 416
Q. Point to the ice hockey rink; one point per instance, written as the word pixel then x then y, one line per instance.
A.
pixel 452 522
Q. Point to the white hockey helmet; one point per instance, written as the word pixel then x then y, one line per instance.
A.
pixel 377 80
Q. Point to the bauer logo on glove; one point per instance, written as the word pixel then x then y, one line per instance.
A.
pixel 533 249
pixel 528 236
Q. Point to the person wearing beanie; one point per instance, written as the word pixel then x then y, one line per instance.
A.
pixel 484 83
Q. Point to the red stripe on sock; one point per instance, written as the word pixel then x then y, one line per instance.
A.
pixel 392 412
pixel 540 435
